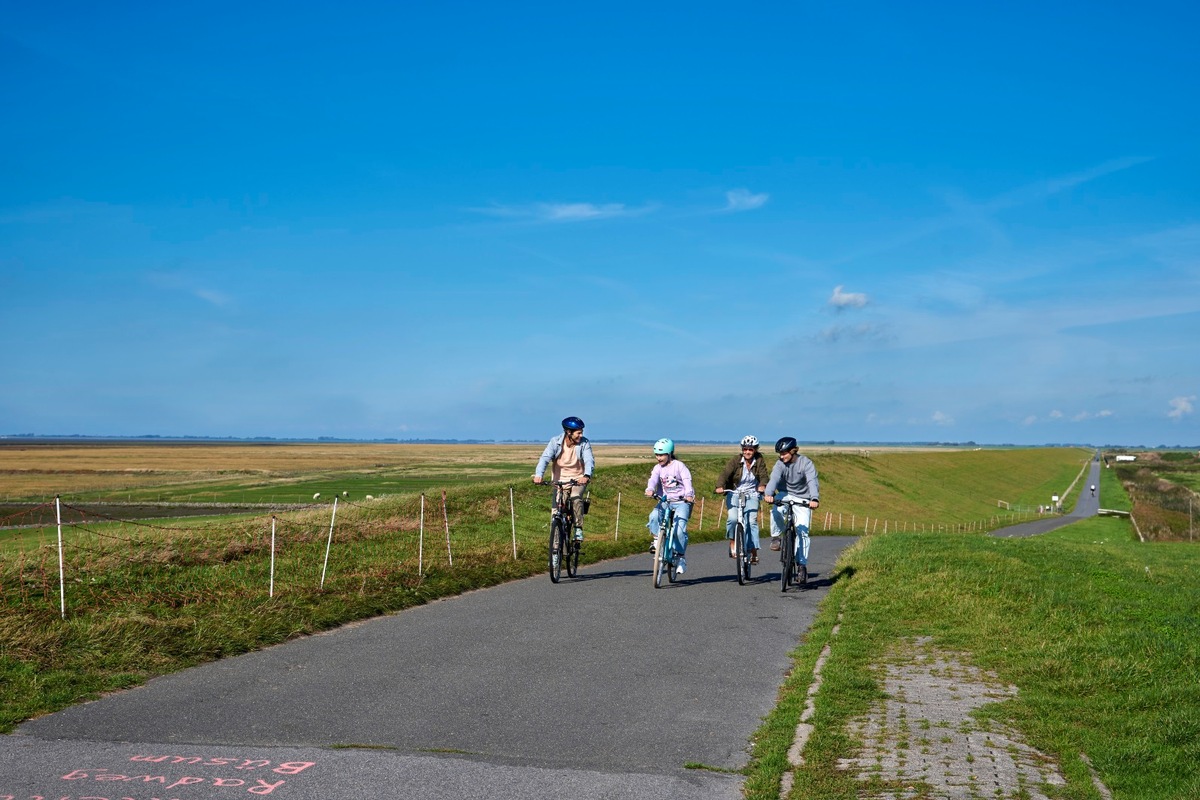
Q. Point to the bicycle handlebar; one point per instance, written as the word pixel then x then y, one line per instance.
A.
pixel 797 501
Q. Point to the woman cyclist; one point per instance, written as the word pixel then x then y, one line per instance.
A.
pixel 745 472
pixel 670 479
pixel 794 477
pixel 570 453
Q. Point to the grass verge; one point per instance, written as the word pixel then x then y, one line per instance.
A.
pixel 1100 633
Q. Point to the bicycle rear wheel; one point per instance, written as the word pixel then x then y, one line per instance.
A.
pixel 572 557
pixel 556 550
pixel 787 558
pixel 739 553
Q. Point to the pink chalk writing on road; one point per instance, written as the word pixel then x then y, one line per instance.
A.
pixel 285 768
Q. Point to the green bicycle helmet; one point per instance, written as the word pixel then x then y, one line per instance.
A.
pixel 664 446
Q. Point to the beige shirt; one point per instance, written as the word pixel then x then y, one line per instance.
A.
pixel 567 465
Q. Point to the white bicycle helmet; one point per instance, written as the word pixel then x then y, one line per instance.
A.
pixel 750 441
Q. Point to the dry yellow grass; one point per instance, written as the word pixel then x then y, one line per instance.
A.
pixel 47 468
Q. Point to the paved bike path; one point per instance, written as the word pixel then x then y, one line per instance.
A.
pixel 600 686
pixel 1088 505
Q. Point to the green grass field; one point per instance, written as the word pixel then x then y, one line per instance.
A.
pixel 1097 630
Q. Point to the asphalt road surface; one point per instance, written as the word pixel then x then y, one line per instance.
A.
pixel 598 687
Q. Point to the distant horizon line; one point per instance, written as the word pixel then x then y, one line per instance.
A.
pixel 150 437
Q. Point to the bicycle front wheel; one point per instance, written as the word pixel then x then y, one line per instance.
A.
pixel 739 553
pixel 556 550
pixel 787 558
pixel 660 544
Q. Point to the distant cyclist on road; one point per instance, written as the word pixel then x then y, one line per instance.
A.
pixel 672 480
pixel 745 472
pixel 1093 490
pixel 571 454
pixel 794 477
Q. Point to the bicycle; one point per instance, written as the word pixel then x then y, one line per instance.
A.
pixel 563 545
pixel 665 547
pixel 787 555
pixel 743 543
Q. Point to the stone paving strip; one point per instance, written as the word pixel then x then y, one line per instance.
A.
pixel 923 742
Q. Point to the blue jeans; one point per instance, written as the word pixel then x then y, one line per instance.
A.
pixel 682 512
pixel 803 517
pixel 751 512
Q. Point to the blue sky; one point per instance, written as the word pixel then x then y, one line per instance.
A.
pixel 855 222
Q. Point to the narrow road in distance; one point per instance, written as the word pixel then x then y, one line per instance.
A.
pixel 1086 506
pixel 601 686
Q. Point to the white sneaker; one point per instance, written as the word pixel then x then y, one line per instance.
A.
pixel 680 567
pixel 579 534
pixel 653 545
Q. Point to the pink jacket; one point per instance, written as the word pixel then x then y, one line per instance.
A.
pixel 674 481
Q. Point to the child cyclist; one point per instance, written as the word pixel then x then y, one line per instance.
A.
pixel 745 473
pixel 794 477
pixel 671 480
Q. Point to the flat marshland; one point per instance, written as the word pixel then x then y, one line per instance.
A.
pixel 1088 622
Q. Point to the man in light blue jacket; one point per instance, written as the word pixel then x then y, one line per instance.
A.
pixel 571 454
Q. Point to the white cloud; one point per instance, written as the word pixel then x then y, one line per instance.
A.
pixel 1031 419
pixel 744 200
pixel 942 418
pixel 841 300
pixel 566 212
pixel 1083 416
pixel 1181 406
pixel 1056 414
pixel 216 298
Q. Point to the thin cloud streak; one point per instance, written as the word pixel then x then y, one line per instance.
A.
pixel 566 212
pixel 744 200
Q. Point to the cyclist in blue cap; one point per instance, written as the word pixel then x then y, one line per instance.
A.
pixel 571 454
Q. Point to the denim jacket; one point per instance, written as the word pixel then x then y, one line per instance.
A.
pixel 555 446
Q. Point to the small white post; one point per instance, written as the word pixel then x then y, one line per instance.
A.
pixel 513 510
pixel 62 586
pixel 329 543
pixel 446 517
pixel 421 541
pixel 271 592
pixel 702 515
pixel 617 527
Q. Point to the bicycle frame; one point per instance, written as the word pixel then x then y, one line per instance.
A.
pixel 563 546
pixel 666 545
pixel 742 549
pixel 790 551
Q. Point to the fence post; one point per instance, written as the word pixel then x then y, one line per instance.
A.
pixel 446 517
pixel 329 543
pixel 271 591
pixel 62 586
pixel 421 540
pixel 702 515
pixel 617 526
pixel 513 510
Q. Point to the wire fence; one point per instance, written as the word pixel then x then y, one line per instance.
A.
pixel 94 557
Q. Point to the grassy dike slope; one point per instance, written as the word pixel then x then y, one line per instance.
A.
pixel 146 601
pixel 1099 632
